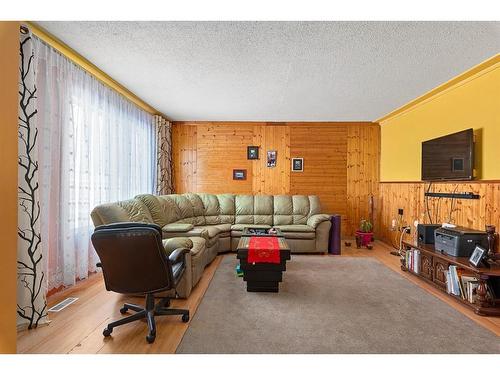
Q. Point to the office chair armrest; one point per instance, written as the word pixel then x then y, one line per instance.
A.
pixel 178 255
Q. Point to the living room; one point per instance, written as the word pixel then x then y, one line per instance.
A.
pixel 273 186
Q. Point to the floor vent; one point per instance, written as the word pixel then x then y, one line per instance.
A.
pixel 63 304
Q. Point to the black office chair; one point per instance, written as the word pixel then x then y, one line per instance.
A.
pixel 133 261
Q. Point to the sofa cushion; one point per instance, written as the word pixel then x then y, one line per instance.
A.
pixel 212 208
pixel 198 208
pixel 214 230
pixel 177 227
pixel 157 213
pixel 199 245
pixel 119 212
pixel 244 207
pixel 170 244
pixel 314 205
pixel 301 209
pixel 300 235
pixel 295 228
pixel 227 208
pixel 170 208
pixel 283 210
pixel 195 232
pixel 224 230
pixel 263 209
pixel 185 206
pixel 317 219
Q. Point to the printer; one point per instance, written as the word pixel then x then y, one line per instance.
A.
pixel 459 241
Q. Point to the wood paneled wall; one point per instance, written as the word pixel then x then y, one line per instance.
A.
pixel 471 213
pixel 341 161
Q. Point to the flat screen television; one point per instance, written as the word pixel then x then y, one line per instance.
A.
pixel 450 157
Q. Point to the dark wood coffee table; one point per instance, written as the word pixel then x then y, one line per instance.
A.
pixel 262 277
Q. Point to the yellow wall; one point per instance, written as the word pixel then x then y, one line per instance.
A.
pixel 472 101
pixel 9 64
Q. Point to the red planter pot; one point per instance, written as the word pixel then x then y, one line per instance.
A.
pixel 364 238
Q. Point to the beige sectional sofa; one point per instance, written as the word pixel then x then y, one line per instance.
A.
pixel 209 224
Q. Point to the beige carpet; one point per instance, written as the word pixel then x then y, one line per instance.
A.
pixel 330 305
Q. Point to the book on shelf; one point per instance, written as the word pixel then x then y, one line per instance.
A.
pixel 412 260
pixel 464 285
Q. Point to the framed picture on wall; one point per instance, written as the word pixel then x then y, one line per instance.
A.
pixel 271 159
pixel 239 174
pixel 297 164
pixel 252 152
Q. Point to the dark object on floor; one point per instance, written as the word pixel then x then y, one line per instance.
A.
pixel 133 261
pixel 262 277
pixel 334 240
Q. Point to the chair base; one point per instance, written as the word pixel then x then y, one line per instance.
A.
pixel 149 312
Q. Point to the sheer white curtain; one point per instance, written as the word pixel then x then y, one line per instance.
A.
pixel 95 147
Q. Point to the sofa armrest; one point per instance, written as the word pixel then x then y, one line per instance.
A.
pixel 172 244
pixel 317 219
pixel 195 232
pixel 178 255
pixel 177 227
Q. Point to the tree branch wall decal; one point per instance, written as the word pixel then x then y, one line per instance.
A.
pixel 32 304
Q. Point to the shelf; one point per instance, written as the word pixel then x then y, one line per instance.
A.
pixel 453 195
pixel 487 309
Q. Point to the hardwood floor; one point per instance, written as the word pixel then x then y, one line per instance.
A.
pixel 78 328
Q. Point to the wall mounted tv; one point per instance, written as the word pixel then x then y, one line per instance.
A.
pixel 449 158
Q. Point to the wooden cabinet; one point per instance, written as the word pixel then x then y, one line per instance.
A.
pixel 426 266
pixel 440 267
pixel 433 268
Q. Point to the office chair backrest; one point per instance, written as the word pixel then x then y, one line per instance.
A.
pixel 132 258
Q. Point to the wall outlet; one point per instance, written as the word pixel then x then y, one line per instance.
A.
pixel 400 211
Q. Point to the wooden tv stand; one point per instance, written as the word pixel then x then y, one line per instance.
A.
pixel 434 264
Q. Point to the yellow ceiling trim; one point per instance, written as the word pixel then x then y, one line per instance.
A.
pixel 89 67
pixel 468 75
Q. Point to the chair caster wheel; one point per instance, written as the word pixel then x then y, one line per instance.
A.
pixel 150 339
pixel 107 332
pixel 185 318
pixel 123 310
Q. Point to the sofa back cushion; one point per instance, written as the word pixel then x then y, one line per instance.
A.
pixel 155 209
pixel 263 209
pixel 244 209
pixel 227 208
pixel 210 209
pixel 198 208
pixel 283 210
pixel 127 210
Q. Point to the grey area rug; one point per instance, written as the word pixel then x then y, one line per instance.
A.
pixel 330 305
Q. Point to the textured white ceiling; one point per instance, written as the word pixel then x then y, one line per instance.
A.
pixel 280 71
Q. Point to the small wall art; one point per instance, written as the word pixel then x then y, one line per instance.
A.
pixel 271 158
pixel 239 174
pixel 297 164
pixel 252 152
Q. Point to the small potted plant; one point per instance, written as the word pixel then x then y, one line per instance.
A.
pixel 364 234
